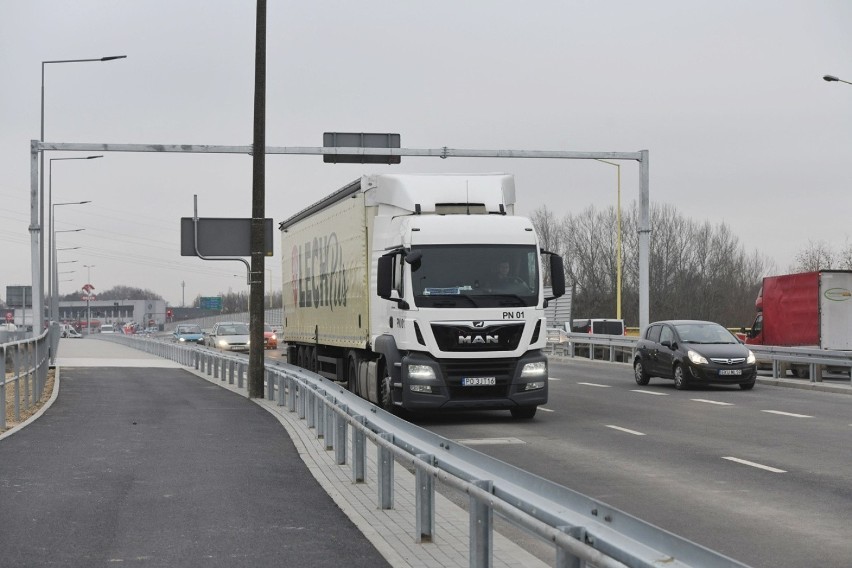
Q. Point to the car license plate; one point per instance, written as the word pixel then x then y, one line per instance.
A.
pixel 731 372
pixel 478 381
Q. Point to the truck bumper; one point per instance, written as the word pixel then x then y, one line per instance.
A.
pixel 516 382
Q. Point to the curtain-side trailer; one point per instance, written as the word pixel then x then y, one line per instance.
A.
pixel 421 292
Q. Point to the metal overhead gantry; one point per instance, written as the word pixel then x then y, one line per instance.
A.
pixel 37 147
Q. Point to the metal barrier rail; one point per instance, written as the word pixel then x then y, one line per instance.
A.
pixel 583 530
pixel 25 366
pixel 562 343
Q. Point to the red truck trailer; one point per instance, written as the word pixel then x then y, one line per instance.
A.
pixel 809 309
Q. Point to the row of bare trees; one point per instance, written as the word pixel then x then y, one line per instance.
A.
pixel 696 270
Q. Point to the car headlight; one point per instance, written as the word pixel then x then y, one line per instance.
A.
pixel 274 337
pixel 751 358
pixel 181 339
pixel 421 372
pixel 223 343
pixel 538 369
pixel 696 358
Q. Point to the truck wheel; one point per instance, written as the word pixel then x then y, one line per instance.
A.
pixel 523 412
pixel 642 378
pixel 680 378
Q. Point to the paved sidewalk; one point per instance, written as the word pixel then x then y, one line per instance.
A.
pixel 141 461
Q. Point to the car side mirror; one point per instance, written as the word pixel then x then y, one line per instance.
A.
pixel 667 343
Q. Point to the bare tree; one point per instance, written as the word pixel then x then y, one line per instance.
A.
pixel 816 256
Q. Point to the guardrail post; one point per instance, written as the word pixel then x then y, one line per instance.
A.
pixel 279 379
pixel 270 385
pixel 328 419
pixel 481 523
pixel 359 450
pixel 319 414
pixel 3 389
pixel 340 435
pixel 564 559
pixel 300 407
pixel 309 406
pixel 384 465
pixel 231 370
pixel 424 524
pixel 291 392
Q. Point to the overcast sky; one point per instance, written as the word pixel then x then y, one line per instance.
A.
pixel 726 95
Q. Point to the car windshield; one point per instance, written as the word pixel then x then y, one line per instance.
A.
pixel 704 333
pixel 450 276
pixel 235 329
pixel 190 329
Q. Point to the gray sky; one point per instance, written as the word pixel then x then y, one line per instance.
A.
pixel 726 95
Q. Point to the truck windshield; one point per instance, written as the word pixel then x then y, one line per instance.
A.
pixel 464 276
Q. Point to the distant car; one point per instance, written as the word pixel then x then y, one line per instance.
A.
pixel 270 338
pixel 151 330
pixel 5 326
pixel 692 353
pixel 189 333
pixel 72 333
pixel 229 336
pixel 107 328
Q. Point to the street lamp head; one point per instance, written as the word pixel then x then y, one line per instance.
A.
pixel 830 78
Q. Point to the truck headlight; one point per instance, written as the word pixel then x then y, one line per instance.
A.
pixel 421 372
pixel 696 357
pixel 534 370
pixel 751 358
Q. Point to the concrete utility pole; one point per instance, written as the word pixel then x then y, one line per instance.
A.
pixel 258 210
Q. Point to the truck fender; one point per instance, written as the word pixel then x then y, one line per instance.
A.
pixel 385 346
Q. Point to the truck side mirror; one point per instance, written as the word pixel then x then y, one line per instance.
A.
pixel 557 275
pixel 384 277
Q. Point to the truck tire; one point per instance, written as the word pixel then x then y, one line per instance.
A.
pixel 386 389
pixel 523 412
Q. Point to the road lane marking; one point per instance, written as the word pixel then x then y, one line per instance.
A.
pixel 489 441
pixel 595 385
pixel 753 464
pixel 543 409
pixel 620 429
pixel 787 414
pixel 712 401
pixel 651 392
pixel 553 379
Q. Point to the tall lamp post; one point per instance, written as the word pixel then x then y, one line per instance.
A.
pixel 618 249
pixel 38 267
pixel 832 78
pixel 53 290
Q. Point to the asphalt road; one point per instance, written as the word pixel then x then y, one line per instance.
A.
pixel 762 476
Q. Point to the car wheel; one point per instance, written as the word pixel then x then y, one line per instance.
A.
pixel 523 412
pixel 642 378
pixel 747 386
pixel 680 378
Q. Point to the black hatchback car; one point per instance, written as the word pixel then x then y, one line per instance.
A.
pixel 692 353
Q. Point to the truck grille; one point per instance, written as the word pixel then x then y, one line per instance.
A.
pixel 502 369
pixel 464 337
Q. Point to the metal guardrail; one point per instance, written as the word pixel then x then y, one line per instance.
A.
pixel 25 366
pixel 620 347
pixel 584 531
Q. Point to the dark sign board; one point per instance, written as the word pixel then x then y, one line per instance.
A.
pixel 221 237
pixel 360 140
pixel 19 296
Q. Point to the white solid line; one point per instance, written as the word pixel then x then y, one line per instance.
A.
pixel 619 428
pixel 651 392
pixel 545 409
pixel 752 464
pixel 787 414
pixel 712 401
pixel 595 385
pixel 553 379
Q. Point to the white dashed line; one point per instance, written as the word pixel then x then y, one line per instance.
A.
pixel 553 379
pixel 752 464
pixel 787 414
pixel 620 429
pixel 595 385
pixel 651 392
pixel 712 401
pixel 545 409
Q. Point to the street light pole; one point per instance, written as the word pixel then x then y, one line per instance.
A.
pixel 832 78
pixel 619 246
pixel 53 290
pixel 88 287
pixel 38 232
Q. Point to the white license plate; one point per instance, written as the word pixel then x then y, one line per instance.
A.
pixel 731 372
pixel 478 381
